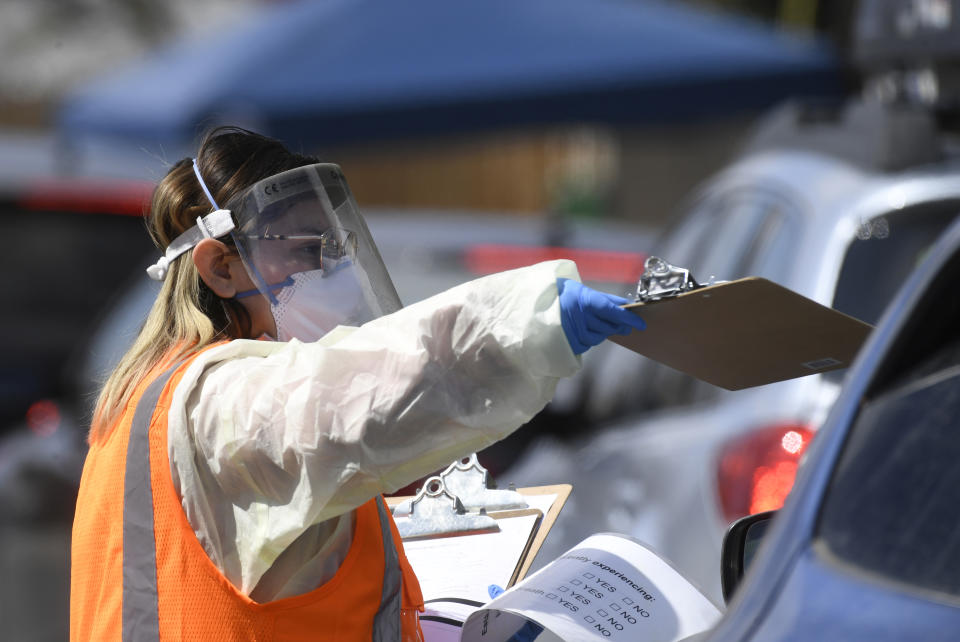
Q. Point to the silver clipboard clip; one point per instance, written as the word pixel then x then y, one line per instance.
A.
pixel 435 512
pixel 662 280
pixel 454 502
pixel 467 479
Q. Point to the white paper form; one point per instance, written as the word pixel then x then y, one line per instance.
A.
pixel 608 587
pixel 465 566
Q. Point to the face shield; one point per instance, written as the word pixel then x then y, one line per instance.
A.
pixel 304 244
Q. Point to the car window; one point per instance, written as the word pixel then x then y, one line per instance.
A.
pixel 886 250
pixel 877 262
pixel 891 506
pixel 733 234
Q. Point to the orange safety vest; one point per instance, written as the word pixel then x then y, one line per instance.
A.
pixel 138 571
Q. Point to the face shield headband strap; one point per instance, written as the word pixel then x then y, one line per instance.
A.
pixel 213 225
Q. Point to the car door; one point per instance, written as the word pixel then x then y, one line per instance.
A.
pixel 868 545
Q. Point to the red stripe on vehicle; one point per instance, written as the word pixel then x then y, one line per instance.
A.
pixel 594 265
pixel 89 197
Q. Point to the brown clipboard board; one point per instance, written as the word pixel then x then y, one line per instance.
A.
pixel 562 491
pixel 530 547
pixel 745 333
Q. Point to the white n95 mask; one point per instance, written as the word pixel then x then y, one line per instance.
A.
pixel 316 302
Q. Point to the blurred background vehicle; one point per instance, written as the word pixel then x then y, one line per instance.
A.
pixel 76 243
pixel 842 235
pixel 866 546
pixel 837 201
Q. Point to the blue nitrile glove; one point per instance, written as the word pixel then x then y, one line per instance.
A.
pixel 588 317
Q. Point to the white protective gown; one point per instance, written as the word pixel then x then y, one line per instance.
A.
pixel 272 445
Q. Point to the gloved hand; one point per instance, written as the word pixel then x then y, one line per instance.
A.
pixel 588 317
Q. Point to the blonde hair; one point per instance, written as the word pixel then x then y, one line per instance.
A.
pixel 187 316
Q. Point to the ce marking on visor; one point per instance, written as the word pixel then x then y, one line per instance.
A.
pixel 271 189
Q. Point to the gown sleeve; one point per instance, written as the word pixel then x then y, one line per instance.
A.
pixel 269 438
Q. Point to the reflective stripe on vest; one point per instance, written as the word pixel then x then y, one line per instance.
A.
pixel 386 623
pixel 141 619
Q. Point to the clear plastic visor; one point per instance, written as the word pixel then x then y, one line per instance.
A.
pixel 304 224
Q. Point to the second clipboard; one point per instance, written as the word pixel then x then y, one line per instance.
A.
pixel 745 333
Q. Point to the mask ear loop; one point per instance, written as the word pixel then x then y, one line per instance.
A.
pixel 261 282
pixel 239 246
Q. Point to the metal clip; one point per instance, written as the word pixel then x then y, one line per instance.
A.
pixel 662 280
pixel 467 479
pixel 436 512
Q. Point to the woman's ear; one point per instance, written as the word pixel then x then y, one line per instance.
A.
pixel 219 268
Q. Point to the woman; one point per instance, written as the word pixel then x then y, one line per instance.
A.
pixel 233 486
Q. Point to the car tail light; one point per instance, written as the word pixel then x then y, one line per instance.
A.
pixel 43 417
pixel 756 471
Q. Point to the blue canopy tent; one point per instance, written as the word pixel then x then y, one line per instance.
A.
pixel 334 71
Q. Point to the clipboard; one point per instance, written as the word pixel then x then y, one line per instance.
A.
pixel 457 556
pixel 738 334
pixel 463 565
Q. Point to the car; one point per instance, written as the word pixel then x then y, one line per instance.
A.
pixel 866 545
pixel 844 231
